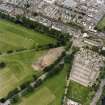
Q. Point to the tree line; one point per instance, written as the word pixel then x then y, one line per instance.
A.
pixel 61 37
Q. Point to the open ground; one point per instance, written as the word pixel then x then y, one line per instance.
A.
pixel 52 90
pixel 18 64
pixel 14 36
pixel 17 71
pixel 80 94
pixel 42 97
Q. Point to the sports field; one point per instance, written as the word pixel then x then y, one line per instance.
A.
pixel 42 97
pixel 18 70
pixel 18 64
pixel 50 92
pixel 14 36
pixel 80 94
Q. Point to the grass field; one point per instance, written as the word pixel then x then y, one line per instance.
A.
pixel 18 70
pixel 14 36
pixel 42 97
pixel 57 85
pixel 18 65
pixel 50 92
pixel 101 24
pixel 80 94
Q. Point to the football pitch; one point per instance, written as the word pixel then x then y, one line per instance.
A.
pixel 80 94
pixel 17 71
pixel 41 97
pixel 13 36
pixel 49 93
pixel 18 64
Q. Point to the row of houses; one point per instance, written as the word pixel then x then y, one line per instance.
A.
pixel 83 12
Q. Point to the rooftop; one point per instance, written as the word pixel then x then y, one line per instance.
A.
pixel 86 67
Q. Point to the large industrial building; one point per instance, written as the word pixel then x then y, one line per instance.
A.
pixel 86 67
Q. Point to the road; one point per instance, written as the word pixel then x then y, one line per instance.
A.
pixel 98 93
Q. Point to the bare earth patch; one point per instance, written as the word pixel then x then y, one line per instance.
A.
pixel 47 59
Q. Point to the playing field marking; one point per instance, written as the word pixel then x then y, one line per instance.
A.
pixel 41 97
pixel 8 87
pixel 5 47
pixel 4 74
pixel 8 83
pixel 12 77
pixel 12 81
pixel 24 70
pixel 12 39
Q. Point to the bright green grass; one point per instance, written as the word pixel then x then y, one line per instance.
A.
pixel 79 93
pixel 18 70
pixel 42 97
pixel 16 36
pixel 5 47
pixel 101 24
pixel 55 85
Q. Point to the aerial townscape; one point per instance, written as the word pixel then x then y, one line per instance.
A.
pixel 52 52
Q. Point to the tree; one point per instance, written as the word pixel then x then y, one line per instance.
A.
pixel 2 100
pixel 102 73
pixel 2 65
pixel 24 85
pixel 15 99
pixel 12 93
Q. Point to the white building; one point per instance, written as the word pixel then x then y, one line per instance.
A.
pixel 70 3
pixel 13 1
pixel 6 103
pixel 86 67
pixel 70 102
pixel 50 1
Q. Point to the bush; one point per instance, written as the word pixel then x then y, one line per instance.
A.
pixel 2 65
pixel 2 100
pixel 12 93
pixel 10 51
pixel 15 99
pixel 24 85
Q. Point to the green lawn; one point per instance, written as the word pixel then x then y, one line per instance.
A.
pixel 80 94
pixel 18 64
pixel 18 70
pixel 55 85
pixel 101 24
pixel 42 97
pixel 14 36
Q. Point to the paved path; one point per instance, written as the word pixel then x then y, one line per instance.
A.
pixel 98 93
